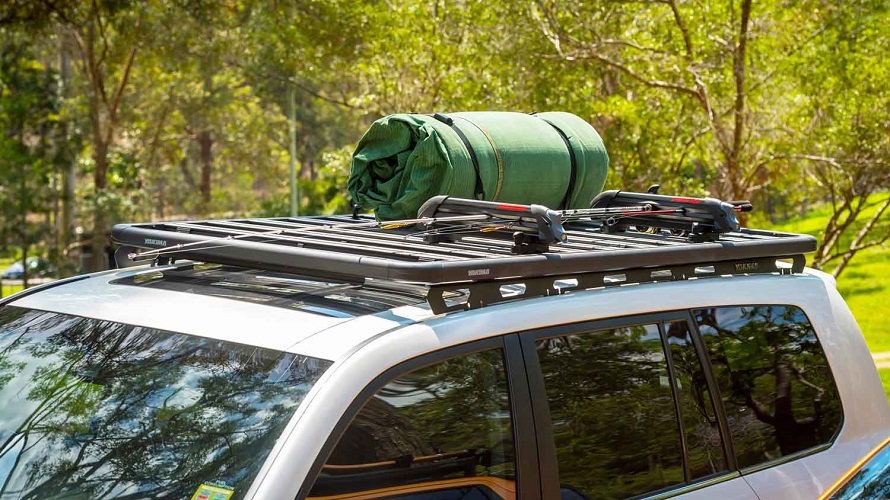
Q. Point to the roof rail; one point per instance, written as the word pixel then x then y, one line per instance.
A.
pixel 489 251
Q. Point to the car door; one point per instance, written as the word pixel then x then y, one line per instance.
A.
pixel 454 424
pixel 623 408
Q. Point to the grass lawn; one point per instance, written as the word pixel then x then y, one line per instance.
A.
pixel 863 284
pixel 867 291
pixel 11 289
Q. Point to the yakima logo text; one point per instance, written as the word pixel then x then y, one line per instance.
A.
pixel 152 241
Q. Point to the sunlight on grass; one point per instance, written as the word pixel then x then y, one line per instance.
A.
pixel 817 218
pixel 864 283
pixel 865 287
pixel 11 289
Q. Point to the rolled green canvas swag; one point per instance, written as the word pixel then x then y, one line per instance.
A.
pixel 554 159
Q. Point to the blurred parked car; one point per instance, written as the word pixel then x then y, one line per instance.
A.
pixel 869 478
pixel 38 267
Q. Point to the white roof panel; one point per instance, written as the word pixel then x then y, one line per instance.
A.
pixel 194 314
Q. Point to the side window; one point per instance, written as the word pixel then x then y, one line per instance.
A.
pixel 776 386
pixel 700 426
pixel 439 432
pixel 612 410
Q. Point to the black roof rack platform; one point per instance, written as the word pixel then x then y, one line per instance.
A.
pixel 461 247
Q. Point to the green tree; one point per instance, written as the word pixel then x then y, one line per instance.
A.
pixel 29 106
pixel 843 116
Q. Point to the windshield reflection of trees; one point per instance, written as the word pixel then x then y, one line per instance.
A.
pixel 96 410
pixel 776 385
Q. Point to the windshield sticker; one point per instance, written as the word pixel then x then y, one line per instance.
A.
pixel 212 492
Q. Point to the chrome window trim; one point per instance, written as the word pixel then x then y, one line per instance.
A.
pixel 788 458
pixel 711 481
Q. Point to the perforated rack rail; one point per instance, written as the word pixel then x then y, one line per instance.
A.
pixel 483 266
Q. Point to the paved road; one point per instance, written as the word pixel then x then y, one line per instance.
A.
pixel 31 281
pixel 882 359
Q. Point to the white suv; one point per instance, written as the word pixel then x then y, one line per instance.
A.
pixel 295 362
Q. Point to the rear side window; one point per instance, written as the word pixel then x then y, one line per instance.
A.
pixel 439 432
pixel 776 385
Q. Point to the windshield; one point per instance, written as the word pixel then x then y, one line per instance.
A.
pixel 92 409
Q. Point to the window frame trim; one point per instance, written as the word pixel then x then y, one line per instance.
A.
pixel 524 442
pixel 678 408
pixel 688 488
pixel 714 389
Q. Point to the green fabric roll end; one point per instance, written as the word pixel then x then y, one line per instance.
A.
pixel 403 160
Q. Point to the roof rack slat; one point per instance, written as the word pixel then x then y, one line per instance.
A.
pixel 357 244
pixel 394 240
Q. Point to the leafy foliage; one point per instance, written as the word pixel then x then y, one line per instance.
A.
pixel 702 97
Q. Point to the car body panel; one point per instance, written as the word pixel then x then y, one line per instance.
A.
pixel 733 489
pixel 367 346
pixel 869 470
pixel 338 340
pixel 865 407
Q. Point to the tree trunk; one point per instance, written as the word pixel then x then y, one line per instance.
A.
pixel 25 277
pixel 23 223
pixel 205 139
pixel 69 169
pixel 205 155
pixel 103 127
pixel 734 169
pixel 24 206
pixel 98 262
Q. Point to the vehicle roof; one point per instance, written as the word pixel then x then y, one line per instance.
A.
pixel 238 311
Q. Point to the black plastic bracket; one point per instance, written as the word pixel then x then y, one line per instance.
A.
pixel 122 257
pixel 534 226
pixel 703 218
